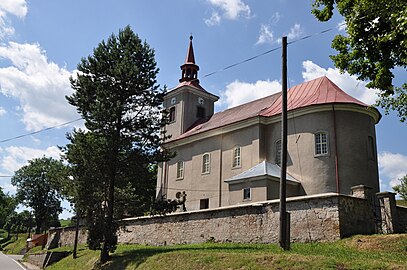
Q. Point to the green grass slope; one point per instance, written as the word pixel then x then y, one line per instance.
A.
pixel 359 252
pixel 14 245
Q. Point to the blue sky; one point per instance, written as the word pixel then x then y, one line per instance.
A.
pixel 42 41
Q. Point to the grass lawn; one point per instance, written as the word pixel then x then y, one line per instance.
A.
pixel 14 245
pixel 401 202
pixel 359 252
pixel 65 222
pixel 3 234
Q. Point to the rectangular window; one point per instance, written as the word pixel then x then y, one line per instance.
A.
pixel 236 157
pixel 180 169
pixel 247 196
pixel 321 144
pixel 206 163
pixel 204 204
pixel 172 114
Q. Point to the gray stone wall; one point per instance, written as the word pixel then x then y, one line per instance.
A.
pixel 66 236
pixel 356 216
pixel 325 217
pixel 313 218
pixel 402 218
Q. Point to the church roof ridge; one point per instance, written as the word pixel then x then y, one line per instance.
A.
pixel 319 91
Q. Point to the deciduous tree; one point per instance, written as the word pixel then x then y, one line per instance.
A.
pixel 402 188
pixel 38 187
pixel 374 47
pixel 7 206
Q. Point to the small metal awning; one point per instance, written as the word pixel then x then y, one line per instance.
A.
pixel 263 170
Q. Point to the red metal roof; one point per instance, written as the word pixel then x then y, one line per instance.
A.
pixel 190 59
pixel 315 92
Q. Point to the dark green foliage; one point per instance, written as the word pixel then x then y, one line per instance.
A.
pixel 113 162
pixel 19 223
pixel 375 45
pixel 402 188
pixel 39 186
pixel 7 206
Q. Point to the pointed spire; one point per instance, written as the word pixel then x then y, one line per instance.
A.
pixel 189 68
pixel 190 59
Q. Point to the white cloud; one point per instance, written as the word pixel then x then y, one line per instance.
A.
pixel 265 36
pixel 275 18
pixel 392 166
pixel 15 156
pixel 213 20
pixel 227 9
pixel 342 26
pixel 348 83
pixel 295 32
pixel 2 111
pixel 14 7
pixel 39 85
pixel 237 92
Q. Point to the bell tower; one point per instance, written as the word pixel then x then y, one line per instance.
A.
pixel 188 103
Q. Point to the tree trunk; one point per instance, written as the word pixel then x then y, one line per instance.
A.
pixel 109 231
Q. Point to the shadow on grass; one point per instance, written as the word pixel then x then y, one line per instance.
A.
pixel 137 256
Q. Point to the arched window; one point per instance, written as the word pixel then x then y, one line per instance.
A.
pixel 237 160
pixel 370 148
pixel 180 169
pixel 321 143
pixel 278 152
pixel 206 163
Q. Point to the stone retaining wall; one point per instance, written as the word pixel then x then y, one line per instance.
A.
pixel 402 218
pixel 325 217
pixel 313 218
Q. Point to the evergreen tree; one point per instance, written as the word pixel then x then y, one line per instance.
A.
pixel 116 92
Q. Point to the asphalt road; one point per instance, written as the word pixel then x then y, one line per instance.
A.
pixel 7 263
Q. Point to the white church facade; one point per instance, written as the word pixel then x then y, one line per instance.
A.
pixel 232 157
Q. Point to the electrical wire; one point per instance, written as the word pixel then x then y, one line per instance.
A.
pixel 39 131
pixel 205 76
pixel 272 50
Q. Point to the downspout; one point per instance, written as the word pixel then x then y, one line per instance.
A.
pixel 165 183
pixel 220 171
pixel 336 152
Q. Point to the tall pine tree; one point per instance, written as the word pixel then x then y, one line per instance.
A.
pixel 117 94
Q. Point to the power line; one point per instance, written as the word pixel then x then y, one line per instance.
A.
pixel 272 50
pixel 39 131
pixel 206 75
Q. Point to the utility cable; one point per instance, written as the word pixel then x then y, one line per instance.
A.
pixel 272 50
pixel 39 131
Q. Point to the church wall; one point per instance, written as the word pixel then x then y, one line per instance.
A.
pixel 258 191
pixel 357 163
pixel 316 174
pixel 206 186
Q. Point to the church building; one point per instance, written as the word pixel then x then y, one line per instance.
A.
pixel 233 157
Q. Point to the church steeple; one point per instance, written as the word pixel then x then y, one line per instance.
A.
pixel 189 68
